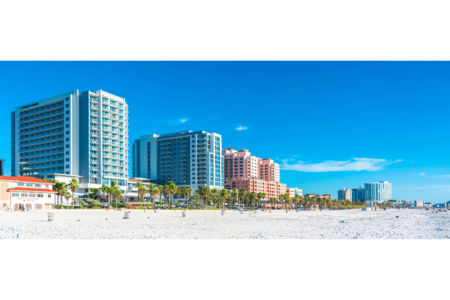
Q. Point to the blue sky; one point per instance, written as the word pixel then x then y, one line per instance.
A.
pixel 328 124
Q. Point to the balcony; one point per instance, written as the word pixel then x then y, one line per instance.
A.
pixel 34 124
pixel 42 108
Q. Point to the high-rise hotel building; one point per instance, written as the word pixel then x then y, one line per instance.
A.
pixel 187 158
pixel 378 191
pixel 79 134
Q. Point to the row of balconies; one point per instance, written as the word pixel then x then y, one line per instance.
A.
pixel 39 153
pixel 42 108
pixel 55 157
pixel 40 128
pixel 41 116
pixel 50 120
pixel 33 136
pixel 52 145
pixel 40 141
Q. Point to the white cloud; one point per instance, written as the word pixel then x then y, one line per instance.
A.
pixel 175 122
pixel 422 174
pixel 240 128
pixel 354 164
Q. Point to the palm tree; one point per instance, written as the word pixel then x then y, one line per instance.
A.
pixel 154 191
pixel 261 196
pixel 234 194
pixel 273 201
pixel 60 188
pixel 242 194
pixel 73 186
pixel 187 193
pixel 141 190
pixel 204 192
pixel 105 192
pixel 67 195
pixel 161 191
pixel 251 197
pixel 93 193
pixel 223 196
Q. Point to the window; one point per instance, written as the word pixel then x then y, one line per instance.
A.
pixel 49 196
pixel 37 185
pixel 67 125
pixel 67 119
pixel 21 184
pixel 67 105
pixel 67 139
pixel 46 185
pixel 32 195
pixel 67 98
pixel 67 152
pixel 23 195
pixel 67 159
pixel 67 166
pixel 67 132
pixel 29 184
pixel 67 112
pixel 15 194
pixel 67 146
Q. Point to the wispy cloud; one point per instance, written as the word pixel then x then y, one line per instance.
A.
pixel 175 122
pixel 240 128
pixel 436 176
pixel 354 164
pixel 422 174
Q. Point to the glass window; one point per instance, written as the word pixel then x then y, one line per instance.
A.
pixel 49 196
pixel 37 185
pixel 21 184
pixel 29 184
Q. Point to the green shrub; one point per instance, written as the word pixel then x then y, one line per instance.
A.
pixel 95 207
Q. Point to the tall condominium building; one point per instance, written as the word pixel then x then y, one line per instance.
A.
pixel 358 194
pixel 79 134
pixel 187 158
pixel 242 170
pixel 378 191
pixel 345 194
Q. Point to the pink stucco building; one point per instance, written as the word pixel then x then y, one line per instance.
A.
pixel 242 170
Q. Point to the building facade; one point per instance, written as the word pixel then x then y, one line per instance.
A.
pixel 244 171
pixel 292 192
pixel 79 134
pixel 378 191
pixel 187 158
pixel 419 203
pixel 358 194
pixel 20 192
pixel 318 196
pixel 345 194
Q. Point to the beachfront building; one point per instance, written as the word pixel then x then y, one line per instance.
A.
pixel 244 171
pixel 187 158
pixel 20 192
pixel 292 192
pixel 131 194
pixel 419 203
pixel 318 196
pixel 83 135
pixel 358 194
pixel 378 191
pixel 345 194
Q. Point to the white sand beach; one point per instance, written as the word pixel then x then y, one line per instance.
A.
pixel 348 224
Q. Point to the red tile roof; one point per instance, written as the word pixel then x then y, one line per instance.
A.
pixel 132 180
pixel 25 179
pixel 25 189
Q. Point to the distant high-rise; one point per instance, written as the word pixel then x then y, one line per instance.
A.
pixel 345 194
pixel 75 134
pixel 358 194
pixel 378 191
